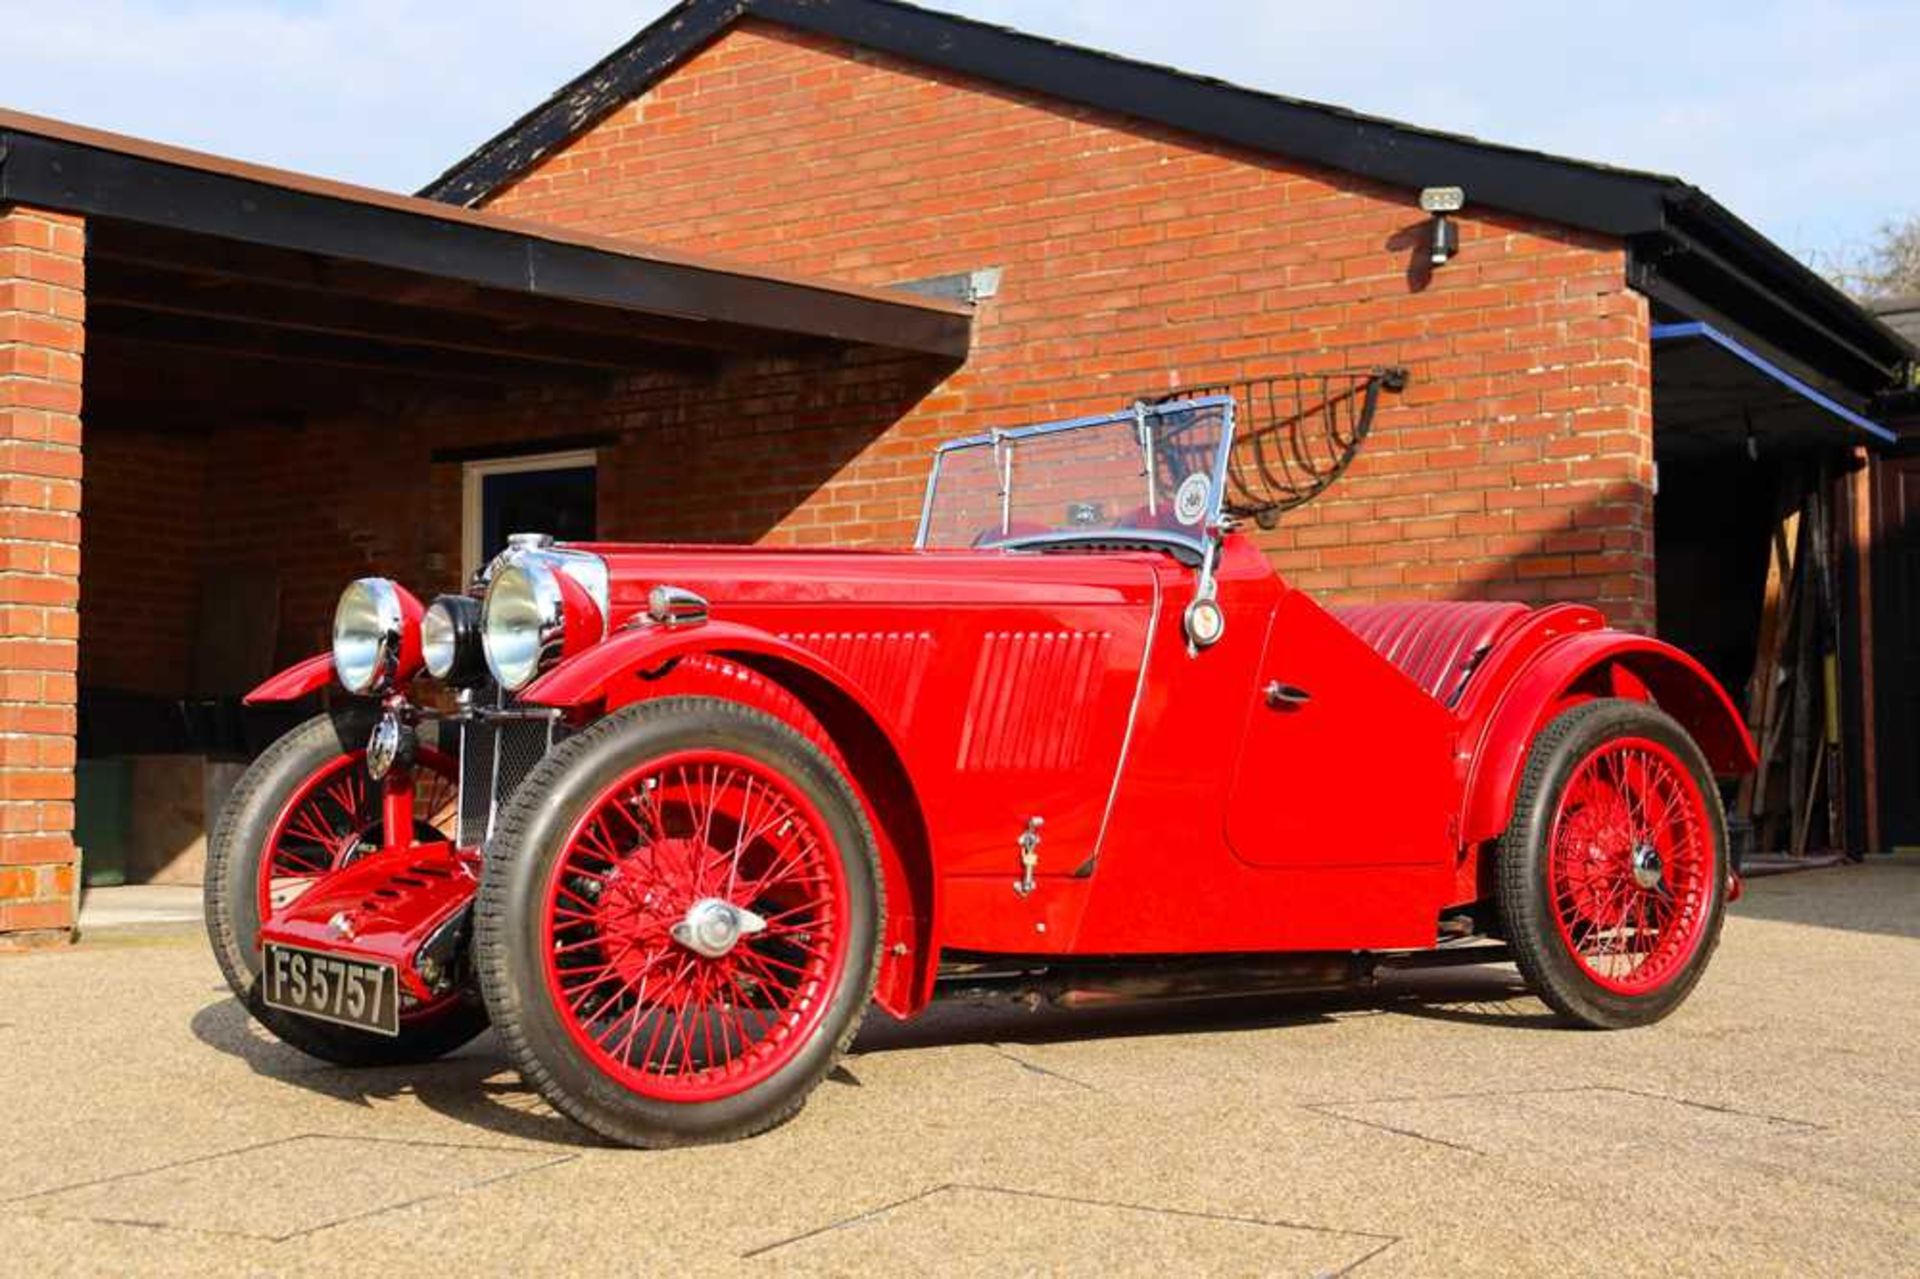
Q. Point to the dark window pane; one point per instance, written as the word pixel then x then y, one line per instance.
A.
pixel 557 502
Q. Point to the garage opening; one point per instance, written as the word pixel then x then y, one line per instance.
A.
pixel 1756 576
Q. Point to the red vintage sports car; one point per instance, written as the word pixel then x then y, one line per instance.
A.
pixel 670 818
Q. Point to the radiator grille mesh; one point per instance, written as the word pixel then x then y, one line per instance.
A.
pixel 495 757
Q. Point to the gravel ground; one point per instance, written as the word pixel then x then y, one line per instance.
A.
pixel 1438 1124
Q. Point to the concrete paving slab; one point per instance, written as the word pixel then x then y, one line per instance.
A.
pixel 280 1190
pixel 1768 1127
pixel 1581 1123
pixel 927 1231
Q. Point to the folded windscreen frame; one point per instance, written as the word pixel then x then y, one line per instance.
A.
pixel 1147 473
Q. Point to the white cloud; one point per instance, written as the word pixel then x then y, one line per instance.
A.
pixel 1796 115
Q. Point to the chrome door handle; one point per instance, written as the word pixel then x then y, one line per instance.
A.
pixel 1286 696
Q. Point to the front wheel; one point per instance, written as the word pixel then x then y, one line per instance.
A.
pixel 1613 871
pixel 304 809
pixel 679 922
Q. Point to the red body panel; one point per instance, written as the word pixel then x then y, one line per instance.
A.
pixel 968 692
pixel 383 906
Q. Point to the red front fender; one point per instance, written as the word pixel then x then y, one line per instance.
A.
pixel 295 682
pixel 1597 663
pixel 593 676
pixel 626 668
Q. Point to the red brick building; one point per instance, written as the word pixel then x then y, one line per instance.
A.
pixel 734 283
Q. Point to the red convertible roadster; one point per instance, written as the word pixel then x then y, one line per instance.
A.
pixel 671 818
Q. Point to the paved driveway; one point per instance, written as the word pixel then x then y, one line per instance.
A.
pixel 1440 1124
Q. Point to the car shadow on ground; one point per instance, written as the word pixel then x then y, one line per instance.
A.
pixel 474 1086
pixel 477 1087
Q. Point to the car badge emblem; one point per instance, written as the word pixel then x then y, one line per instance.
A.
pixel 1190 502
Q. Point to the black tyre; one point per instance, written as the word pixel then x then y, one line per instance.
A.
pixel 314 777
pixel 1613 871
pixel 679 922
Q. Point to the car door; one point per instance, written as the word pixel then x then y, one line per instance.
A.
pixel 1345 763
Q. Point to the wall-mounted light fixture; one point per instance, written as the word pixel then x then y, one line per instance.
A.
pixel 1440 201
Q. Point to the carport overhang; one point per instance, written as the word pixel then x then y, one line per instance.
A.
pixel 206 270
pixel 1715 393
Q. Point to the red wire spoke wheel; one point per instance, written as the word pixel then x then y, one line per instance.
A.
pixel 678 925
pixel 693 925
pixel 1613 874
pixel 302 810
pixel 333 817
pixel 1629 850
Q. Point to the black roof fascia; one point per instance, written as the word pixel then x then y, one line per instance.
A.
pixel 1571 192
pixel 1699 225
pixel 1688 279
pixel 585 100
pixel 1663 218
pixel 73 177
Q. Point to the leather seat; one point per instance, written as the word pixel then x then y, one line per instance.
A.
pixel 1437 645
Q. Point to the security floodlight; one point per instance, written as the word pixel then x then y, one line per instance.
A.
pixel 1440 201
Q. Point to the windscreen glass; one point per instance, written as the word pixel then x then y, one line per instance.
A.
pixel 1149 473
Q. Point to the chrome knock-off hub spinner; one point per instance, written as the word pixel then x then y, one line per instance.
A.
pixel 1646 866
pixel 711 927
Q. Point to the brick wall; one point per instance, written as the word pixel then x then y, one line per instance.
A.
pixel 1517 465
pixel 42 312
pixel 146 521
pixel 732 457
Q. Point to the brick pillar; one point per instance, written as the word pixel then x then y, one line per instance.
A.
pixel 42 333
pixel 1612 443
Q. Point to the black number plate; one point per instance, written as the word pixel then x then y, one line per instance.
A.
pixel 352 992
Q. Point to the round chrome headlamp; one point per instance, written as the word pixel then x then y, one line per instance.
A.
pixel 371 641
pixel 523 621
pixel 450 641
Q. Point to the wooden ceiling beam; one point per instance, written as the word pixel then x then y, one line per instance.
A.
pixel 155 292
pixel 324 350
pixel 200 258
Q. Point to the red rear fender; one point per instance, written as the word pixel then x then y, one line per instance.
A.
pixel 295 682
pixel 1593 664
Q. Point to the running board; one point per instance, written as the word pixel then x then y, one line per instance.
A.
pixel 1109 982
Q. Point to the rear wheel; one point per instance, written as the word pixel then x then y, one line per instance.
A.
pixel 305 808
pixel 1613 872
pixel 679 922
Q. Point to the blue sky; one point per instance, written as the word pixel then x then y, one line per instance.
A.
pixel 1803 117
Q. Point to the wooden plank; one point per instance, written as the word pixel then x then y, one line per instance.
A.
pixel 1804 825
pixel 1860 487
pixel 1803 736
pixel 1788 539
pixel 1763 687
pixel 1832 487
